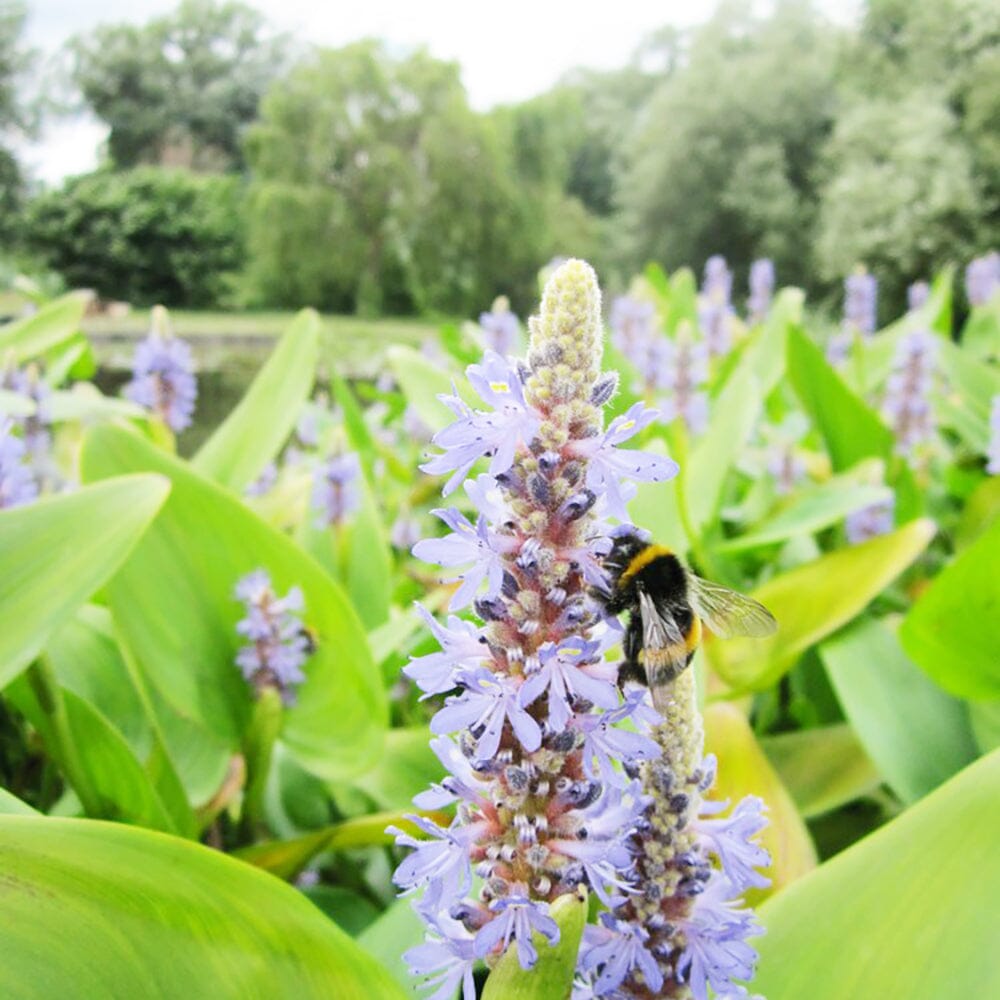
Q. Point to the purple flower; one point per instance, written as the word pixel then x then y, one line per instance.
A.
pixel 993 451
pixel 460 783
pixel 446 960
pixel 499 327
pixel 603 743
pixel 907 405
pixel 478 433
pixel 870 522
pixel 163 380
pixel 336 491
pixel 761 289
pixel 731 841
pixel 488 702
pixel 405 532
pixel 716 933
pixel 440 863
pixel 715 311
pixel 615 949
pixel 462 647
pixel 17 484
pixel 278 643
pixel 685 370
pixel 264 483
pixel 562 671
pixel 860 301
pixel 982 278
pixel 517 916
pixel 35 427
pixel 467 544
pixel 607 464
pixel 917 295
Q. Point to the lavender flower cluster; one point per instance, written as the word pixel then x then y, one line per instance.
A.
pixel 673 371
pixel 277 644
pixel 860 313
pixel 761 289
pixel 163 378
pixel 499 326
pixel 336 491
pixel 551 795
pixel 982 278
pixel 715 310
pixel 907 405
pixel 17 483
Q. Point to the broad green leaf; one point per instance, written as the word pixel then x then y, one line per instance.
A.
pixel 812 601
pixel 981 510
pixel 84 402
pixel 351 912
pixel 103 910
pixel 808 511
pixel 745 770
pixel 851 430
pixel 766 354
pixel 174 605
pixel 118 785
pixel 258 426
pixel 11 805
pixel 981 333
pixel 655 507
pixel 358 433
pixel 917 735
pixel 552 976
pixel 984 719
pixel 287 858
pixel 734 414
pixel 407 767
pixel 56 552
pixel 388 938
pixel 422 381
pixel 53 324
pixel 964 403
pixel 904 913
pixel 950 631
pixel 822 768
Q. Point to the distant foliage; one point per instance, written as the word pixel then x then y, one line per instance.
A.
pixel 147 235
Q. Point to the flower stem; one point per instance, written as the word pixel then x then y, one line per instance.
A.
pixel 46 688
pixel 262 734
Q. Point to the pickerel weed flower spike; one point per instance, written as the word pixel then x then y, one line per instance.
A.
pixel 982 278
pixel 917 295
pixel 499 326
pixel 277 643
pixel 870 522
pixel 715 310
pixel 163 378
pixel 552 792
pixel 860 301
pixel 907 405
pixel 34 428
pixel 336 492
pixel 685 372
pixel 761 289
pixel 993 451
pixel 17 484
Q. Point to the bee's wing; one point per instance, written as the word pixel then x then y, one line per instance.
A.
pixel 727 613
pixel 659 630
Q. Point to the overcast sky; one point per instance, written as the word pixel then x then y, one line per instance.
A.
pixel 508 51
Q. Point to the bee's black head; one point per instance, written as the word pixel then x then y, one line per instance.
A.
pixel 627 541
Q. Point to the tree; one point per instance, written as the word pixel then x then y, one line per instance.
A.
pixel 182 89
pixel 722 155
pixel 13 117
pixel 376 188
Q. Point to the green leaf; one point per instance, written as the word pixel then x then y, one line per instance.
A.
pixel 388 938
pixel 916 734
pixel 948 631
pixel 56 552
pixel 981 510
pixel 407 767
pixel 13 404
pixel 53 324
pixel 253 433
pixel 822 768
pixel 812 601
pixel 287 858
pixel 852 431
pixel 808 511
pixel 11 805
pixel 903 913
pixel 734 414
pixel 361 438
pixel 766 354
pixel 422 381
pixel 102 910
pixel 984 718
pixel 186 567
pixel 119 784
pixel 84 402
pixel 745 770
pixel 552 976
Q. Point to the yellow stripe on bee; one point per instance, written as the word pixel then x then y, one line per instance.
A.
pixel 640 561
pixel 693 637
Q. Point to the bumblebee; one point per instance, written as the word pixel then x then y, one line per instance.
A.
pixel 667 606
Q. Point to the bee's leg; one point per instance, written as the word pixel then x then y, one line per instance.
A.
pixel 631 669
